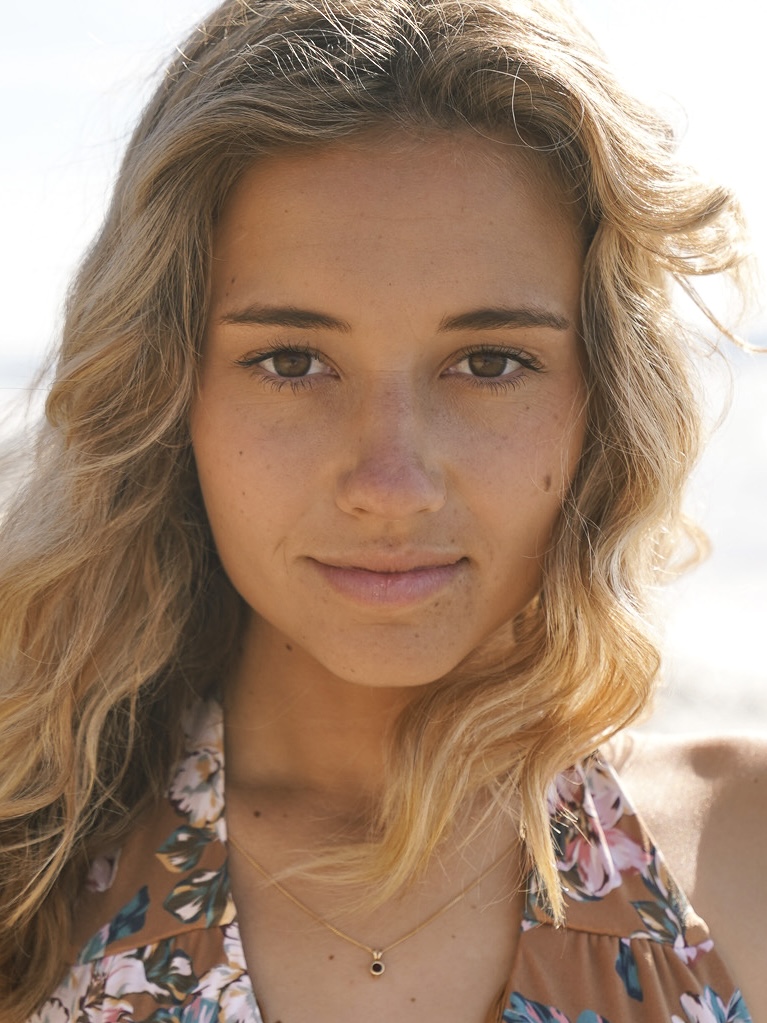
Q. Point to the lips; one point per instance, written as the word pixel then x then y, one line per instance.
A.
pixel 392 580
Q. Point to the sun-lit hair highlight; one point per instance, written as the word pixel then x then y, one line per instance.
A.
pixel 114 610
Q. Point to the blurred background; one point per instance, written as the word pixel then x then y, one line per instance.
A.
pixel 73 77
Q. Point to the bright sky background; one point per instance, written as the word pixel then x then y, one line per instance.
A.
pixel 74 77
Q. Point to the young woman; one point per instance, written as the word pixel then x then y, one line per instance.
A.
pixel 369 430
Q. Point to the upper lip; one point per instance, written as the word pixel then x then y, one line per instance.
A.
pixel 392 561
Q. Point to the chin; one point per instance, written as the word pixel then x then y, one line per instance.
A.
pixel 391 672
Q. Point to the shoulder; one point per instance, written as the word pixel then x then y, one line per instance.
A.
pixel 710 787
pixel 704 799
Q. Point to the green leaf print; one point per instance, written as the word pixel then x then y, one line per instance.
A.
pixel 131 917
pixel 204 894
pixel 182 850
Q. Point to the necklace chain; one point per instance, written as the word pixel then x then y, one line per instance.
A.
pixel 377 965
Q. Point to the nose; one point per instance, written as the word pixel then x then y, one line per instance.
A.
pixel 392 470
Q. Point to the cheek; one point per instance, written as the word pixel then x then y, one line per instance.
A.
pixel 556 441
pixel 533 471
pixel 534 460
pixel 253 471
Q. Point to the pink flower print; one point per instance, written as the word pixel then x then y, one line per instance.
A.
pixel 125 973
pixel 689 953
pixel 595 859
pixel 594 851
pixel 225 992
pixel 197 789
pixel 66 1002
pixel 110 1011
pixel 102 873
pixel 604 796
pixel 54 1011
pixel 566 791
pixel 708 1007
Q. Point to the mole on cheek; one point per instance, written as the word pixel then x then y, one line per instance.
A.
pixel 547 482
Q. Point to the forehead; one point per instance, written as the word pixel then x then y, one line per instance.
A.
pixel 457 160
pixel 449 210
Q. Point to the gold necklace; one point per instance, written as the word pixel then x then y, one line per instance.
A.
pixel 377 965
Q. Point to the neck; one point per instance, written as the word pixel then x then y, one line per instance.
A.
pixel 294 728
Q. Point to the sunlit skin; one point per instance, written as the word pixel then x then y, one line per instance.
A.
pixel 390 411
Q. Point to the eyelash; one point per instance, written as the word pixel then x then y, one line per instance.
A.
pixel 495 384
pixel 498 384
pixel 277 383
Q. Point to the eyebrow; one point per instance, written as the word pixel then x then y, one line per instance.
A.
pixel 502 317
pixel 496 318
pixel 286 316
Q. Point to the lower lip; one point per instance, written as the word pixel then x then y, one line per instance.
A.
pixel 390 589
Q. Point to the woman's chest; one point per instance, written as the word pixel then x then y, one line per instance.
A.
pixel 455 970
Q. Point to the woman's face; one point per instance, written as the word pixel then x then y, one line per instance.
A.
pixel 391 397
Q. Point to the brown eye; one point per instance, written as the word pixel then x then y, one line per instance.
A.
pixel 488 364
pixel 291 363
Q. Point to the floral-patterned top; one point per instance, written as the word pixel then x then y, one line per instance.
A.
pixel 167 949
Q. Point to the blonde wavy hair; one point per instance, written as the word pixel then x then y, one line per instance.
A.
pixel 114 610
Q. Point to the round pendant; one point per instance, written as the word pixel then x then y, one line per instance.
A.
pixel 377 967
